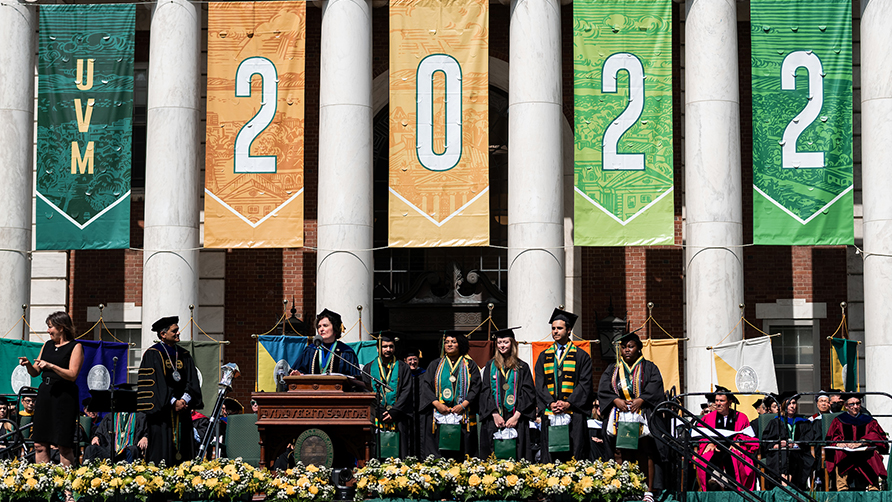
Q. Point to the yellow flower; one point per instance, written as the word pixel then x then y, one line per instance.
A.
pixel 404 469
pixel 303 481
pixel 535 470
pixel 96 482
pixel 31 482
pixel 197 468
pixel 566 480
pixel 115 482
pixel 289 490
pixel 509 466
pixel 454 472
pixel 609 472
pixel 229 469
pixel 586 482
pixel 235 477
pixel 488 480
pixel 616 483
pixel 105 469
pixel 197 481
pixel 402 481
pixel 474 480
pixel 57 480
pixel 77 484
pixel 28 473
pixel 119 469
pixel 552 481
pixel 362 483
pixel 141 481
pixel 590 470
pixel 427 478
pixel 314 490
pixel 211 483
pixel 259 475
pixel 139 468
pixel 512 480
pixel 159 482
pixel 312 468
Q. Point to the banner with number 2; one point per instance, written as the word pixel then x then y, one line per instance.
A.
pixel 255 125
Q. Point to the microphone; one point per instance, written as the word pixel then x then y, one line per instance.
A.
pixel 317 340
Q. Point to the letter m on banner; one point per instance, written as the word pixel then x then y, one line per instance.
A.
pixel 439 123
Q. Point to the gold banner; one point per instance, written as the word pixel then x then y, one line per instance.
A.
pixel 439 123
pixel 254 179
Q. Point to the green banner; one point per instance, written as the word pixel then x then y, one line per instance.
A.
pixel 844 365
pixel 206 354
pixel 13 375
pixel 84 133
pixel 802 122
pixel 622 73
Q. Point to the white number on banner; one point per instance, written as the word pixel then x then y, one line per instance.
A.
pixel 611 160
pixel 809 61
pixel 244 161
pixel 424 121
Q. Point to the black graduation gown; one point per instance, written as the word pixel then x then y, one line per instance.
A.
pixel 402 411
pixel 580 404
pixel 526 405
pixel 415 423
pixel 340 365
pixel 170 433
pixel 429 439
pixel 105 432
pixel 799 463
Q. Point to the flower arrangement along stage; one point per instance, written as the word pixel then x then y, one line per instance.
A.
pixel 476 479
pixel 224 479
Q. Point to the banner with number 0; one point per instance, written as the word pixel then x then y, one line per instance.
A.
pixel 802 122
pixel 439 123
pixel 622 82
pixel 254 179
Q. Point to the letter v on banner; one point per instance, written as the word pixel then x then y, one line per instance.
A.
pixel 439 124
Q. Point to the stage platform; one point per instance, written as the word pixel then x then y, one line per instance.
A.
pixel 780 496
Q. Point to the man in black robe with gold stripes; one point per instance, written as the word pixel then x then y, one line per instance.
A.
pixel 167 392
pixel 564 387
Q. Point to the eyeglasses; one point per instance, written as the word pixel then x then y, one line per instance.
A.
pixel 253 403
pixel 856 403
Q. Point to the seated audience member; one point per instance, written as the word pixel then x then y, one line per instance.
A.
pixel 854 430
pixel 836 401
pixel 724 418
pixel 28 404
pixel 822 402
pixel 254 407
pixel 787 439
pixel 128 436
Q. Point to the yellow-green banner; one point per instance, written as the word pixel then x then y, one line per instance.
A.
pixel 439 124
pixel 254 178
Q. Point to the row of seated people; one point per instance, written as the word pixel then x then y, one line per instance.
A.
pixel 792 445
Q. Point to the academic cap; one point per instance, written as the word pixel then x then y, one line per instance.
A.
pixel 164 323
pixel 506 333
pixel 821 394
pixel 758 403
pixel 562 315
pixel 335 319
pixel 413 352
pixel 623 339
pixel 388 336
pixel 719 390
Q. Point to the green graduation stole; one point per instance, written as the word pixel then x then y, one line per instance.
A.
pixel 392 378
pixel 124 430
pixel 452 393
pixel 315 365
pixel 563 371
pixel 504 391
pixel 627 380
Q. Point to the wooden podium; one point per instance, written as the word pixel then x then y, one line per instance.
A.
pixel 338 405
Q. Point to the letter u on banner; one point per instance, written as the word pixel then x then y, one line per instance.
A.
pixel 254 181
pixel 439 123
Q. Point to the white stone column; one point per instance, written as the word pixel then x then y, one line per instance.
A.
pixel 170 261
pixel 344 269
pixel 535 174
pixel 714 227
pixel 876 150
pixel 18 23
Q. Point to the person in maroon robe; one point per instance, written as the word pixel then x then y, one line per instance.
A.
pixel 853 429
pixel 744 444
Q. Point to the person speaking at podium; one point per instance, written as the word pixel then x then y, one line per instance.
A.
pixel 327 354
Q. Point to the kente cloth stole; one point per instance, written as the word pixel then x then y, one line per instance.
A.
pixel 504 389
pixel 626 379
pixel 563 371
pixel 125 425
pixel 391 376
pixel 320 369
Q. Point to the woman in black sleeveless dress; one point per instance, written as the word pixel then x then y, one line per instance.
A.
pixel 56 410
